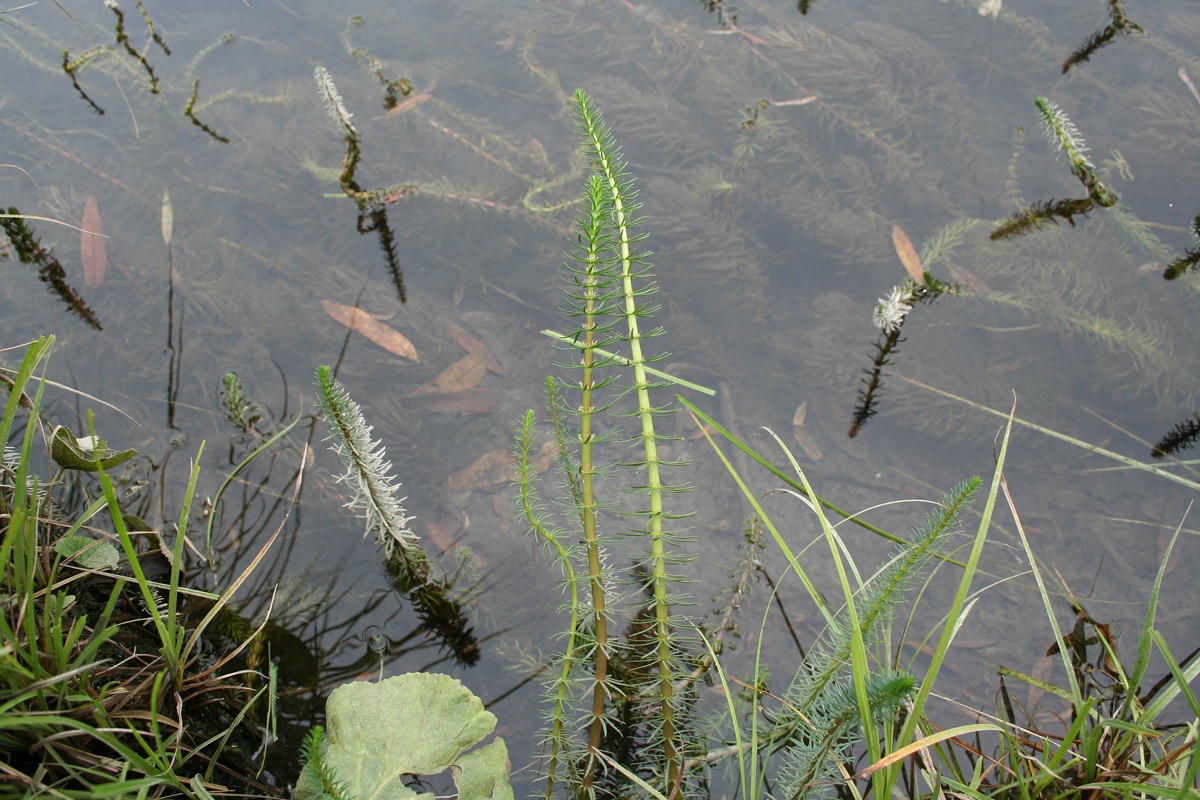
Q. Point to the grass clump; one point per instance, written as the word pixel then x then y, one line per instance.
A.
pixel 103 691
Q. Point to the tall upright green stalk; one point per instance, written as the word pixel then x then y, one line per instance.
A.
pixel 595 286
pixel 606 285
pixel 610 169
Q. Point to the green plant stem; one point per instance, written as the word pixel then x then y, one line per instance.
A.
pixel 620 359
pixel 607 167
pixel 592 257
pixel 559 710
pixel 229 479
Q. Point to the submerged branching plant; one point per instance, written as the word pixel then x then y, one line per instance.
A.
pixel 1182 436
pixel 1065 137
pixel 1189 259
pixel 371 203
pixel 889 316
pixel 1062 133
pixel 1039 215
pixel 1118 24
pixel 366 200
pixel 29 250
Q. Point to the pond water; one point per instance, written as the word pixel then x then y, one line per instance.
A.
pixel 775 157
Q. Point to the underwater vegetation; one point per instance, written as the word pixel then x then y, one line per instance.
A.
pixel 778 147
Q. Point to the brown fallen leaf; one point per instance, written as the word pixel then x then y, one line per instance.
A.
pixel 475 347
pixel 167 219
pixel 467 401
pixel 494 468
pixel 800 415
pixel 545 457
pixel 807 443
pixel 1043 669
pixel 462 374
pixel 92 250
pixel 412 101
pixel 908 254
pixel 970 280
pixel 442 532
pixel 803 438
pixel 358 320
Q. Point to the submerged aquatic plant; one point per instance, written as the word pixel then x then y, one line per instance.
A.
pixel 889 316
pixel 1119 23
pixel 1065 137
pixel 29 250
pixel 373 500
pixel 1189 259
pixel 1182 436
pixel 890 311
pixel 1062 133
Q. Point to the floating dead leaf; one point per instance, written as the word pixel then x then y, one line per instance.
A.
pixel 1043 669
pixel 92 250
pixel 807 444
pixel 971 281
pixel 495 468
pixel 442 532
pixel 800 415
pixel 908 254
pixel 545 457
pixel 475 347
pixel 539 153
pixel 168 219
pixel 468 401
pixel 803 438
pixel 462 374
pixel 358 320
pixel 799 101
pixel 412 101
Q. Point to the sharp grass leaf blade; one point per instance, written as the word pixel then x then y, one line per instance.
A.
pixel 1143 647
pixel 227 595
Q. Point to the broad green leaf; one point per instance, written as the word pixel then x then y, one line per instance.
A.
pixel 483 774
pixel 414 724
pixel 97 555
pixel 87 454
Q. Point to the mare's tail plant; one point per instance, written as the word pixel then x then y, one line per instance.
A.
pixel 607 287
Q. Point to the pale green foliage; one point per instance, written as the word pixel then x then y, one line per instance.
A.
pixel 607 288
pixel 822 707
pixel 367 475
pixel 413 724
